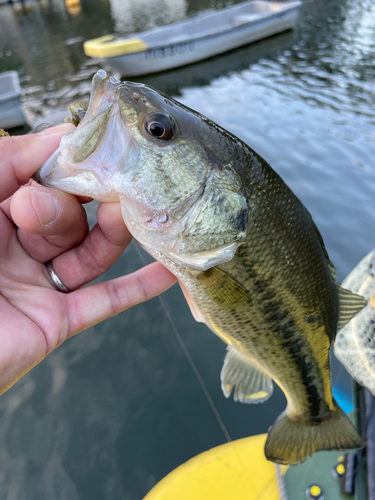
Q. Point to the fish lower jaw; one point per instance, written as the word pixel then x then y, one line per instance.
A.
pixel 82 183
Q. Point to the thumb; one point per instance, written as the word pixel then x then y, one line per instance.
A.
pixel 21 156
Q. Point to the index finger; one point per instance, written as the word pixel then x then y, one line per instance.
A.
pixel 21 156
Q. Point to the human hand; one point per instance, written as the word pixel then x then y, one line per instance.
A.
pixel 39 224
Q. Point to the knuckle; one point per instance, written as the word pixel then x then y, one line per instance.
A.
pixel 89 260
pixel 116 299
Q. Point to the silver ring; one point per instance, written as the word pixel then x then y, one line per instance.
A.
pixel 54 279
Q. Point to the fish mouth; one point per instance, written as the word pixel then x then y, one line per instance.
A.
pixel 93 154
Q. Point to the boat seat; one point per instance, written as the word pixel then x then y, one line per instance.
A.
pixel 244 19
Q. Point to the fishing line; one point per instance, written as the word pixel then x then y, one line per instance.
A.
pixel 191 362
pixel 370 410
pixel 280 485
pixel 281 488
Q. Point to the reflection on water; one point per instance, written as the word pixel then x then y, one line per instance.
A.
pixel 130 16
pixel 119 406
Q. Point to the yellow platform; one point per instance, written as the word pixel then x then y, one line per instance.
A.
pixel 236 470
pixel 110 46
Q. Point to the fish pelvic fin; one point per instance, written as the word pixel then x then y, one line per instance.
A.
pixel 251 384
pixel 292 441
pixel 349 305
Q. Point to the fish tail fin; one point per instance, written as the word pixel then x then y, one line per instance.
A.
pixel 292 441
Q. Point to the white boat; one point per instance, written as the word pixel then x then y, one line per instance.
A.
pixel 193 39
pixel 10 106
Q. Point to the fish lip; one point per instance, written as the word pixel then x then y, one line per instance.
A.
pixel 104 89
pixel 99 76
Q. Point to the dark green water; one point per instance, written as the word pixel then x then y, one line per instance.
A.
pixel 116 408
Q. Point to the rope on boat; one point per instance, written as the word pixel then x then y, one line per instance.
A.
pixel 370 442
pixel 365 468
pixel 281 489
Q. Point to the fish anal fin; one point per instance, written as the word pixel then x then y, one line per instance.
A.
pixel 197 315
pixel 251 384
pixel 292 441
pixel 349 305
pixel 222 288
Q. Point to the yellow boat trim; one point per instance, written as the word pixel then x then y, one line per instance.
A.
pixel 236 470
pixel 110 46
pixel 72 3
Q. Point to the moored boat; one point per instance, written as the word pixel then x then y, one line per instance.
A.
pixel 193 39
pixel 11 114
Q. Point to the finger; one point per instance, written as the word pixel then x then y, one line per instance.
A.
pixel 94 303
pixel 77 311
pixel 5 205
pixel 98 252
pixel 21 156
pixel 50 221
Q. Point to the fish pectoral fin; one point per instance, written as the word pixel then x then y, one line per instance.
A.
pixel 349 305
pixel 252 384
pixel 223 289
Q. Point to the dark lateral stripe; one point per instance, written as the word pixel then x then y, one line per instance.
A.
pixel 290 338
pixel 296 347
pixel 305 364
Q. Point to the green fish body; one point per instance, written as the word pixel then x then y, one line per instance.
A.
pixel 248 256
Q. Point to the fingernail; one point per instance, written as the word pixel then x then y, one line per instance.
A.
pixel 46 206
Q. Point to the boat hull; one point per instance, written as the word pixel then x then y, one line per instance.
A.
pixel 173 55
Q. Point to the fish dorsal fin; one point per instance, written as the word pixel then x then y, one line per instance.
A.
pixel 332 269
pixel 349 305
pixel 222 288
pixel 251 384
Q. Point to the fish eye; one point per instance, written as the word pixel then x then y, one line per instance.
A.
pixel 160 126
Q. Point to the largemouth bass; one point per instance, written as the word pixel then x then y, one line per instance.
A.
pixel 248 256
